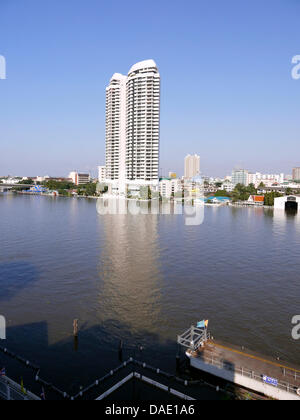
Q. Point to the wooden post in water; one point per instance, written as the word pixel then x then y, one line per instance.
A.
pixel 121 351
pixel 178 358
pixel 75 333
pixel 75 327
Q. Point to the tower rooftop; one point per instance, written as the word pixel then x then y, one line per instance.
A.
pixel 143 65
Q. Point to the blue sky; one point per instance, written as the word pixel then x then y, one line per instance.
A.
pixel 227 90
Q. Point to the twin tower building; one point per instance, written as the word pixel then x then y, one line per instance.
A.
pixel 133 129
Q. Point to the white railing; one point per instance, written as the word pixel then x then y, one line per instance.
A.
pixel 147 381
pixel 285 386
pixel 11 391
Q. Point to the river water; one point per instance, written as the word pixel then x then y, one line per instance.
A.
pixel 142 279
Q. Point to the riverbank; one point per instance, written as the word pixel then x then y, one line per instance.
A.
pixel 54 195
pixel 248 205
pixel 162 200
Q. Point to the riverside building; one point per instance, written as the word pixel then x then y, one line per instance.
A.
pixel 133 129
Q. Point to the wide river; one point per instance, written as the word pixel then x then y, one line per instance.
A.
pixel 142 279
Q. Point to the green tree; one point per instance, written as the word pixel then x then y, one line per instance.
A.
pixel 63 193
pixel 90 189
pixel 222 193
pixel 242 192
pixel 251 189
pixel 57 185
pixel 27 182
pixel 270 198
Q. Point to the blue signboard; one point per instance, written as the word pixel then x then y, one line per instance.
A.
pixel 270 381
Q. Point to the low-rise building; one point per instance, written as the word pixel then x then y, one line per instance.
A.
pixel 79 178
pixel 257 200
pixel 289 203
pixel 227 186
pixel 172 175
pixel 11 181
pixel 170 187
pixel 42 178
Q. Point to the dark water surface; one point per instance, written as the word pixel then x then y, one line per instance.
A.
pixel 143 279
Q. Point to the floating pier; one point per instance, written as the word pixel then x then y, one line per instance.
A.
pixel 11 391
pixel 241 367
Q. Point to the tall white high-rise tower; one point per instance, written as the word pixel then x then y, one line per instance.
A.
pixel 143 122
pixel 116 128
pixel 133 127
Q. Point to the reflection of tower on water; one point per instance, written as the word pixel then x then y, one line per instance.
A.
pixel 129 272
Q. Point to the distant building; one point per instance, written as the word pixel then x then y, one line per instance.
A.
pixel 72 176
pixel 172 175
pixel 79 179
pixel 170 187
pixel 257 199
pixel 257 178
pixel 270 178
pixel 12 181
pixel 227 186
pixel 194 188
pixel 240 176
pixel 281 179
pixel 42 178
pixel 291 203
pixel 296 174
pixel 61 179
pixel 101 173
pixel 191 166
pixel 252 178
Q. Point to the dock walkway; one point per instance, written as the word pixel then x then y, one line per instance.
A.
pixel 242 367
pixel 11 391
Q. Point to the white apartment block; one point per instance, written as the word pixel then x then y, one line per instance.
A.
pixel 252 178
pixel 191 166
pixel 133 127
pixel 143 122
pixel 240 176
pixel 72 176
pixel 267 179
pixel 227 186
pixel 101 173
pixel 116 128
pixel 170 187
